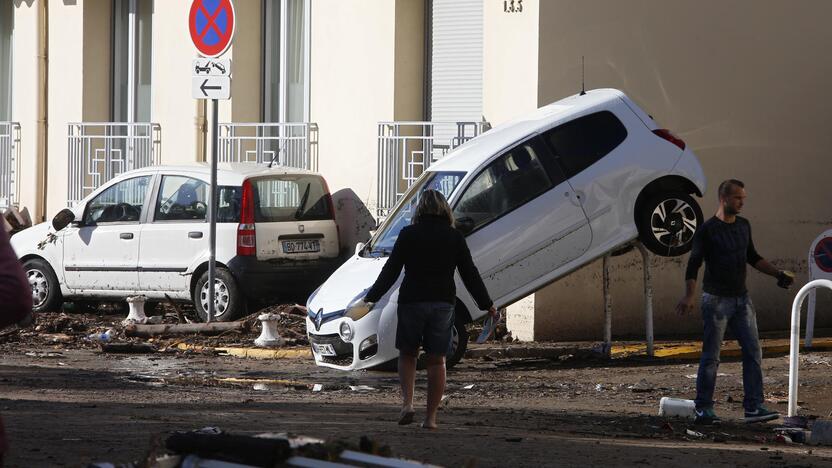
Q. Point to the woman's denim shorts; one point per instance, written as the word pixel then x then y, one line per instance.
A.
pixel 426 324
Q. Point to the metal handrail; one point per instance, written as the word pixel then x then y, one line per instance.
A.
pixel 100 151
pixel 407 148
pixel 9 164
pixel 292 144
pixel 795 338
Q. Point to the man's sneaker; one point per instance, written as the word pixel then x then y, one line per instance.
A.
pixel 761 414
pixel 706 416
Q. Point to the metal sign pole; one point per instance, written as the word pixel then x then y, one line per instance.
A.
pixel 212 236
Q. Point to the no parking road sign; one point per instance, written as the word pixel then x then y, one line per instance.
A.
pixel 211 24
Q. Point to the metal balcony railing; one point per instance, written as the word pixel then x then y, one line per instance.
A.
pixel 9 164
pixel 99 151
pixel 289 144
pixel 406 149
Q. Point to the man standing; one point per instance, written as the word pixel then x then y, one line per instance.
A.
pixel 724 243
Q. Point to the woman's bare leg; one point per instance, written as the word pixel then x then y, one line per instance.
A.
pixel 436 388
pixel 407 380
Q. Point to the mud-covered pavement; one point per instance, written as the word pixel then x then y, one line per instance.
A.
pixel 67 407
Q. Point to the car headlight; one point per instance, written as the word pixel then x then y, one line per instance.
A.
pixel 346 332
pixel 358 309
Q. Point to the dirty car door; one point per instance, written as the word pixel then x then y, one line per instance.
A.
pixel 176 234
pixel 102 252
pixel 522 220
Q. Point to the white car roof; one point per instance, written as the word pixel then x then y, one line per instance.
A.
pixel 227 173
pixel 478 150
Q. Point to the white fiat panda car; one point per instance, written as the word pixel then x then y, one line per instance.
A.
pixel 537 198
pixel 146 232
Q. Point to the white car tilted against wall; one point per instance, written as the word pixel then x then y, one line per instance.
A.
pixel 146 232
pixel 537 198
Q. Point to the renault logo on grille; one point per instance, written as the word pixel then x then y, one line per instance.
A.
pixel 319 317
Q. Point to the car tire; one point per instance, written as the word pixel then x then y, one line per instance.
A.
pixel 231 303
pixel 46 291
pixel 460 343
pixel 667 222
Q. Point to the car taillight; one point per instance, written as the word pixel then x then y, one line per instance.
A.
pixel 669 136
pixel 246 234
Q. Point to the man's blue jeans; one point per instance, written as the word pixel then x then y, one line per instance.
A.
pixel 736 313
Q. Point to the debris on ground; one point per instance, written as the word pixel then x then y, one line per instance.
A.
pixel 211 446
pixel 87 325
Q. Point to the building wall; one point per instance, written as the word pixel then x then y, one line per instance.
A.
pixel 745 89
pixel 172 107
pixel 352 91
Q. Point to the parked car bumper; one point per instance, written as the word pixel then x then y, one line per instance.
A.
pixel 268 279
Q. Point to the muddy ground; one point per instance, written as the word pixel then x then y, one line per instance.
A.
pixel 66 404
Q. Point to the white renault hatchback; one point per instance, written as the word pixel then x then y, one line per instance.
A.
pixel 146 232
pixel 536 198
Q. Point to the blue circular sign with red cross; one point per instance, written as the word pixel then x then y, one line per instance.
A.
pixel 211 24
pixel 823 254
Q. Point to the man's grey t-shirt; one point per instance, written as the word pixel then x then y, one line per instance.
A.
pixel 725 248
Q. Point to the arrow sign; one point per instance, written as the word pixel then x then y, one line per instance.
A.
pixel 211 87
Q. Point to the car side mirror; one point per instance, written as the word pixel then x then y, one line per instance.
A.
pixel 464 224
pixel 359 247
pixel 62 219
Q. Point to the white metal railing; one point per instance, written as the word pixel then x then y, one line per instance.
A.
pixel 406 149
pixel 9 164
pixel 794 345
pixel 99 151
pixel 288 144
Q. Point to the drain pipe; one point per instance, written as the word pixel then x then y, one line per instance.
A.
pixel 42 132
pixel 795 338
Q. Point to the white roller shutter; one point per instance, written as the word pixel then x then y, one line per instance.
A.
pixel 456 60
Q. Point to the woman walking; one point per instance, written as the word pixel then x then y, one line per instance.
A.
pixel 429 250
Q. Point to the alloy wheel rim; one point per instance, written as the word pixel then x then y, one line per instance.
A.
pixel 673 222
pixel 39 285
pixel 222 297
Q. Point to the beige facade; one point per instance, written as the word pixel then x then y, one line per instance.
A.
pixel 741 82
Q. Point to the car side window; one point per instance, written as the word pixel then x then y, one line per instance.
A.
pixel 507 183
pixel 120 203
pixel 181 199
pixel 580 143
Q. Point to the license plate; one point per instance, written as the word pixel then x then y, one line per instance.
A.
pixel 325 349
pixel 301 246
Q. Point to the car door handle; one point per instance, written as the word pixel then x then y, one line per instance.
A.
pixel 195 234
pixel 126 235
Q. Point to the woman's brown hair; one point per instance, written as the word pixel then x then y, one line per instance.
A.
pixel 433 203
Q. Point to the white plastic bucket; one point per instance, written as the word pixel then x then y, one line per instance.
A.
pixel 670 407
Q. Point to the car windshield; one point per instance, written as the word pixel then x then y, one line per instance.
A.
pixel 382 243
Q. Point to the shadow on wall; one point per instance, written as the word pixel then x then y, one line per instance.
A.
pixel 353 218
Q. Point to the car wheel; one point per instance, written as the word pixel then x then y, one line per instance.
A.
pixel 667 223
pixel 228 302
pixel 46 292
pixel 459 343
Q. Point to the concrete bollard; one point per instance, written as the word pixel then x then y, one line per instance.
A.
pixel 269 337
pixel 136 314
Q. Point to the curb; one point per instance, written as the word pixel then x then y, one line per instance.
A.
pixel 679 351
pixel 254 353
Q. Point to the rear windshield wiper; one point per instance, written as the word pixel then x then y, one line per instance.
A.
pixel 303 199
